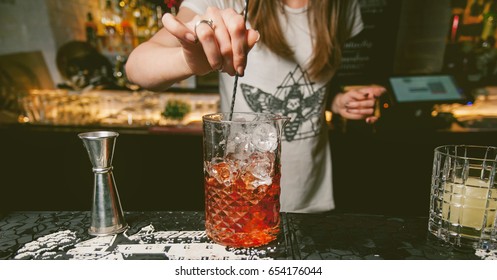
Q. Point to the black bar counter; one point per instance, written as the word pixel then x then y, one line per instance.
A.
pixel 181 235
pixel 46 168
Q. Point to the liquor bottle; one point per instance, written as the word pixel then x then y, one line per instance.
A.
pixel 171 5
pixel 109 16
pixel 111 21
pixel 141 20
pixel 91 31
pixel 159 13
pixel 128 38
pixel 452 55
pixel 128 34
pixel 153 20
pixel 489 26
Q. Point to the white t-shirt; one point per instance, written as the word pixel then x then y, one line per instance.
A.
pixel 277 85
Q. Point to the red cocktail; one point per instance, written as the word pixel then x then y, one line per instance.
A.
pixel 242 178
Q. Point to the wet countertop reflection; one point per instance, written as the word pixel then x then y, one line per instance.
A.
pixel 343 236
pixel 181 235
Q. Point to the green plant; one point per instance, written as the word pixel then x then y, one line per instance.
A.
pixel 176 109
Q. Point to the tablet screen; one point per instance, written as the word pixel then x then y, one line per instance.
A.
pixel 434 88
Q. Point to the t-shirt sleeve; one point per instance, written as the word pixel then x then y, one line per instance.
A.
pixel 355 24
pixel 200 6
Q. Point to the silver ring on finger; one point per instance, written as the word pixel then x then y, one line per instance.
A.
pixel 209 22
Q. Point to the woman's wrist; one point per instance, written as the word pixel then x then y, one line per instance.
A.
pixel 335 104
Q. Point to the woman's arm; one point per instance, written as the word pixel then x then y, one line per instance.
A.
pixel 178 51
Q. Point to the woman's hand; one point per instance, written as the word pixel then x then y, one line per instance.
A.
pixel 222 45
pixel 358 103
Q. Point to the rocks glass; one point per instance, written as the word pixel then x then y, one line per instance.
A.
pixel 463 199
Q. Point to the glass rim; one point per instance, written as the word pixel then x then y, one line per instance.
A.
pixel 271 117
pixel 440 150
pixel 98 134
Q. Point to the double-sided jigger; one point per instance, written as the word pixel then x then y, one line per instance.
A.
pixel 106 214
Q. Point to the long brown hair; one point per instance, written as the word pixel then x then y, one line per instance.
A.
pixel 324 20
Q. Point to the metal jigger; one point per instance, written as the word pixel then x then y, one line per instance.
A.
pixel 106 214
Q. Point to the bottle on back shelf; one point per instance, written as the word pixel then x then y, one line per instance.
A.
pixel 91 31
pixel 489 25
pixel 141 20
pixel 128 34
pixel 111 21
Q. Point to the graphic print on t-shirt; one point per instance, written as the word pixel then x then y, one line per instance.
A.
pixel 294 98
